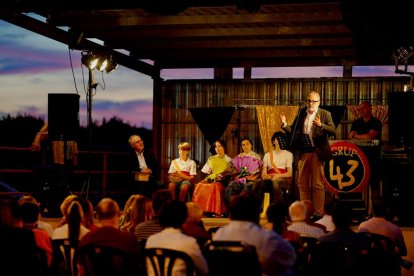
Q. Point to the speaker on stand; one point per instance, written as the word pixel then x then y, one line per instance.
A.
pixel 63 132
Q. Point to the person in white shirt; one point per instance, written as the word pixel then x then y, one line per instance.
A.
pixel 182 173
pixel 173 214
pixel 276 255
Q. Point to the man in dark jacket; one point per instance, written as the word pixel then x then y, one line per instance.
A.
pixel 318 124
pixel 144 168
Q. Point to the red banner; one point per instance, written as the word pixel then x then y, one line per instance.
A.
pixel 349 170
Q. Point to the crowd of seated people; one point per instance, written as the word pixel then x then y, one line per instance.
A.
pixel 178 226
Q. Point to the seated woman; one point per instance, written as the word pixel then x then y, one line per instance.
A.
pixel 182 173
pixel 209 193
pixel 248 165
pixel 276 172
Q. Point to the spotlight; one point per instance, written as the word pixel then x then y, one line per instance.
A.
pixel 90 61
pixel 102 64
pixel 402 54
pixel 112 65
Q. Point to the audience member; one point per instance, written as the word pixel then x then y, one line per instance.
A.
pixel 342 219
pixel 194 226
pixel 109 235
pixel 182 173
pixel 277 214
pixel 64 206
pixel 248 165
pixel 209 193
pixel 21 255
pixel 139 211
pixel 146 229
pixel 326 220
pixel 379 225
pixel 297 213
pixel 173 214
pixel 276 255
pixel 30 212
pixel 40 223
pixel 126 212
pixel 88 218
pixel 73 229
pixel 309 212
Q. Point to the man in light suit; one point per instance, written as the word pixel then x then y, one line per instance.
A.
pixel 318 124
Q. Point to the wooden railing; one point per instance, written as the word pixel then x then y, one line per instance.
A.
pixel 19 166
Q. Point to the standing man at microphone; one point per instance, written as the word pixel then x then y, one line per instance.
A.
pixel 318 124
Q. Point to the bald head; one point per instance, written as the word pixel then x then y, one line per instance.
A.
pixel 107 209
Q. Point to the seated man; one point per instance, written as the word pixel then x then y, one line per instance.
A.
pixel 173 214
pixel 276 255
pixel 144 167
pixel 109 235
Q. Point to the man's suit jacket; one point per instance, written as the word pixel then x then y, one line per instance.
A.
pixel 134 166
pixel 319 135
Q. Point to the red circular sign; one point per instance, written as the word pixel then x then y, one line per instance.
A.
pixel 348 171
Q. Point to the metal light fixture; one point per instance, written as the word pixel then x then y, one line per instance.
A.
pixel 99 62
pixel 111 66
pixel 90 60
pixel 102 64
pixel 401 56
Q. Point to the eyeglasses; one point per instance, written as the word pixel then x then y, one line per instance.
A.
pixel 311 101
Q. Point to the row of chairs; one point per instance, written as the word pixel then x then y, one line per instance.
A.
pixel 373 255
pixel 223 258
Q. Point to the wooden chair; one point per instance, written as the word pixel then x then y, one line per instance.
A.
pixel 98 260
pixel 162 261
pixel 231 258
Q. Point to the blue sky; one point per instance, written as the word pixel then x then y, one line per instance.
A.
pixel 32 66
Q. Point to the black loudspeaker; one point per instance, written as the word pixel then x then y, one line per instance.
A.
pixel 400 116
pixel 63 116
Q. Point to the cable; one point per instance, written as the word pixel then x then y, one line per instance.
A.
pixel 73 73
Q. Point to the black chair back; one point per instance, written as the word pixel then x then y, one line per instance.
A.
pixel 379 254
pixel 304 249
pixel 337 258
pixel 231 258
pixel 101 260
pixel 161 261
pixel 65 258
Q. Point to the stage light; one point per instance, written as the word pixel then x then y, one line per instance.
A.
pixel 90 61
pixel 401 56
pixel 100 62
pixel 112 65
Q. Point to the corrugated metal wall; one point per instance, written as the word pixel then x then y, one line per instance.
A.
pixel 178 96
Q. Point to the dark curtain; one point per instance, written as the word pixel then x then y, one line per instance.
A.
pixel 337 112
pixel 212 122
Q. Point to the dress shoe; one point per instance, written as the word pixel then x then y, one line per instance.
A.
pixel 315 217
